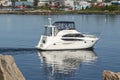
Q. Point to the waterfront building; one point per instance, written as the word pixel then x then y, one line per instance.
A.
pixel 5 3
pixel 115 2
pixel 50 2
pixel 68 4
pixel 43 2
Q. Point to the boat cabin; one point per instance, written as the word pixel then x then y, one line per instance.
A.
pixel 52 30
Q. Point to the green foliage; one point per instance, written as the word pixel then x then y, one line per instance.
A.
pixel 35 3
pixel 103 8
pixel 43 8
pixel 113 8
pixel 94 8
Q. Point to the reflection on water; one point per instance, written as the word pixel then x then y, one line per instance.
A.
pixel 65 62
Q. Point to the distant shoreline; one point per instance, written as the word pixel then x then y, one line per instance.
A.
pixel 39 12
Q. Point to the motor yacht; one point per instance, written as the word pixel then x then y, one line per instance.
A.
pixel 62 35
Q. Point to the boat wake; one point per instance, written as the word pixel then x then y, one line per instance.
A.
pixel 10 51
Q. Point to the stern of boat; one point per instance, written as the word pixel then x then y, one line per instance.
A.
pixel 42 41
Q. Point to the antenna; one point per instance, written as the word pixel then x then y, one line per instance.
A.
pixel 50 21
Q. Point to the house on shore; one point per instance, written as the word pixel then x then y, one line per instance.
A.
pixel 67 4
pixel 5 3
pixel 50 2
pixel 115 2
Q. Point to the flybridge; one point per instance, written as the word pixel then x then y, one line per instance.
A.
pixel 63 25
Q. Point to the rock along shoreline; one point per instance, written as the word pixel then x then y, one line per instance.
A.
pixel 109 75
pixel 42 12
pixel 9 69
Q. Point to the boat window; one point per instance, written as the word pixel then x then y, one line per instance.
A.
pixel 72 39
pixel 48 31
pixel 73 35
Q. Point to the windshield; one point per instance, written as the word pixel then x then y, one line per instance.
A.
pixel 63 25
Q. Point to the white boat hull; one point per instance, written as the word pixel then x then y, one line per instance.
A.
pixel 58 44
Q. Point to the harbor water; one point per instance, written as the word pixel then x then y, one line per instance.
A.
pixel 19 34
